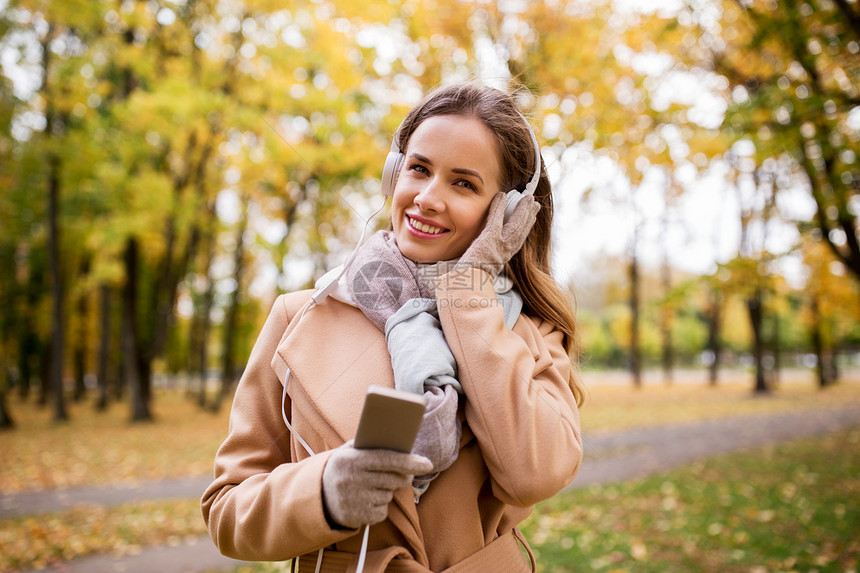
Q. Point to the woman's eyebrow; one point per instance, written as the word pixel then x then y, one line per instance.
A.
pixel 471 172
pixel 458 170
pixel 421 158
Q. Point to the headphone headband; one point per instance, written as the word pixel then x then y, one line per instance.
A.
pixel 533 182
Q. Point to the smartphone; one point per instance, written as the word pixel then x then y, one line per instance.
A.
pixel 390 419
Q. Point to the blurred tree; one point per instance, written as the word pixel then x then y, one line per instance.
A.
pixel 203 301
pixel 11 239
pixel 81 336
pixel 793 73
pixel 164 131
pixel 60 30
pixel 829 299
pixel 666 310
pixel 228 373
pixel 633 301
pixel 54 120
pixel 613 100
pixel 712 314
pixel 163 113
pixel 756 187
pixel 103 361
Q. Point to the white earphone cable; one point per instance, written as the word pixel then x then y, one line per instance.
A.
pixel 327 288
pixel 362 554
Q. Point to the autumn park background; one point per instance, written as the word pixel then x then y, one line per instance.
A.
pixel 168 167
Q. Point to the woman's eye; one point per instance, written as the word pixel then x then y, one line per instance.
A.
pixel 418 168
pixel 467 185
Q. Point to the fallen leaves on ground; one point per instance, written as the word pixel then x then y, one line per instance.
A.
pixel 707 517
pixel 38 541
pixel 104 448
pixel 619 406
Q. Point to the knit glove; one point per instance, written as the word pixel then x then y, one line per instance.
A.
pixel 358 485
pixel 500 240
pixel 438 437
pixel 381 279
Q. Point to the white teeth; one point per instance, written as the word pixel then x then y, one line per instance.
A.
pixel 424 227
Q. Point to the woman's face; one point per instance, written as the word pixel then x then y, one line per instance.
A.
pixel 444 189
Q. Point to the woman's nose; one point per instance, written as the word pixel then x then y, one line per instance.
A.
pixel 431 197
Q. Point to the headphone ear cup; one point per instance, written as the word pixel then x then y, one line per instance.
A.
pixel 390 172
pixel 512 197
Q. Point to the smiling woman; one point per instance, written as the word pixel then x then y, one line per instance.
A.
pixel 456 303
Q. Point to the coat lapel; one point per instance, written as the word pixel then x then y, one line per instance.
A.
pixel 334 353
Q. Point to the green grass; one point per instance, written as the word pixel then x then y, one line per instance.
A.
pixel 788 508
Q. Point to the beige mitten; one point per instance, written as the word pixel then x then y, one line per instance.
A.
pixel 439 436
pixel 358 484
pixel 500 240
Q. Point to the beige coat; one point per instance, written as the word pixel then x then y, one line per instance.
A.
pixel 521 437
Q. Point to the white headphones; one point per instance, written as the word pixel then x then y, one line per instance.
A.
pixel 390 171
pixel 395 159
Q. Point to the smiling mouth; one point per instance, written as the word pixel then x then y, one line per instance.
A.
pixel 424 227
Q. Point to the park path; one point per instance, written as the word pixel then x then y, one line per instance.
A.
pixel 609 457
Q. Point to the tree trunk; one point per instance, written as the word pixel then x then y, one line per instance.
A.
pixel 754 307
pixel 667 355
pixel 56 372
pixel 104 347
pixel 834 365
pixel 714 344
pixel 45 389
pixel 817 347
pixel 81 341
pixel 635 351
pixel 31 345
pixel 6 421
pixel 135 369
pixel 230 320
pixel 122 380
pixel 142 411
pixel 25 351
pixel 79 354
pixel 79 363
pixel 776 349
pixel 198 340
pixel 203 321
pixel 162 296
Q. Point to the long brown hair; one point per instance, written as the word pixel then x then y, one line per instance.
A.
pixel 530 267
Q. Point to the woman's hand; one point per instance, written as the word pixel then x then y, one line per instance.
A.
pixel 358 484
pixel 500 240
